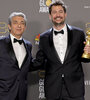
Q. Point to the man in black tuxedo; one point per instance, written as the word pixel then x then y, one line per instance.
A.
pixel 15 56
pixel 61 47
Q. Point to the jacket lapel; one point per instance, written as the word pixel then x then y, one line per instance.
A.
pixel 27 53
pixel 53 50
pixel 69 39
pixel 10 49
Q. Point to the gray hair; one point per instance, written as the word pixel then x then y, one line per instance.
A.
pixel 16 14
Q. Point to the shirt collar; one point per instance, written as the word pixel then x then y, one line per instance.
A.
pixel 12 37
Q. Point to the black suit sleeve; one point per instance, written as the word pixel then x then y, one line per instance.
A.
pixel 38 62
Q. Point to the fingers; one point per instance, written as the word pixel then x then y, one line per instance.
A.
pixel 87 48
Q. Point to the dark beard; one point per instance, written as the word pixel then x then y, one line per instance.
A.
pixel 58 24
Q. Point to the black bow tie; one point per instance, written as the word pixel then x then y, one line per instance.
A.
pixel 59 32
pixel 19 41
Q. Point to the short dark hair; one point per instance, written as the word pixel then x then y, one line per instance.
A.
pixel 57 3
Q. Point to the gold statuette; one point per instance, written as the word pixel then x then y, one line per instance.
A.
pixel 48 2
pixel 85 54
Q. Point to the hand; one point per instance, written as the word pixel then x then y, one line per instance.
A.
pixel 87 49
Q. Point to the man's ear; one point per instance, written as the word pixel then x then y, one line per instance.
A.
pixel 49 16
pixel 65 15
pixel 9 27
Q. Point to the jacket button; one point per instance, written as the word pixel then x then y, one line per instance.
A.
pixel 62 75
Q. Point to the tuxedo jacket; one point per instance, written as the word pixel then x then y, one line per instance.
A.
pixel 54 69
pixel 13 80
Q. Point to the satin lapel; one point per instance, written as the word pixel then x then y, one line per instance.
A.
pixel 10 49
pixel 53 50
pixel 69 39
pixel 27 53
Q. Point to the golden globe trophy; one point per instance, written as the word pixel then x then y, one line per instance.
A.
pixel 85 54
pixel 48 2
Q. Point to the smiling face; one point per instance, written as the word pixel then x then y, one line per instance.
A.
pixel 17 26
pixel 57 15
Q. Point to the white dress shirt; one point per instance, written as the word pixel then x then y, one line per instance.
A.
pixel 19 50
pixel 60 43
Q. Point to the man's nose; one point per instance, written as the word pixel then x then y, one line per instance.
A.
pixel 58 14
pixel 19 25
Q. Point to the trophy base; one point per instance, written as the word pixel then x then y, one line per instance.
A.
pixel 86 56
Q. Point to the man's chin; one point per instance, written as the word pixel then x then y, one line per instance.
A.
pixel 18 34
pixel 58 24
